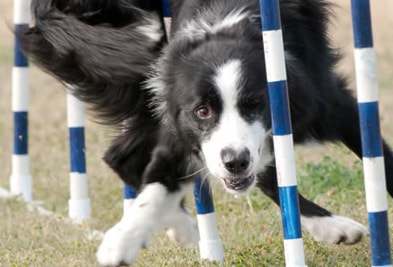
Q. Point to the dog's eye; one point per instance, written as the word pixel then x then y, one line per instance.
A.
pixel 203 112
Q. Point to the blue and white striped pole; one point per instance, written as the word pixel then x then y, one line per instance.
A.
pixel 20 180
pixel 129 195
pixel 282 132
pixel 166 13
pixel 210 245
pixel 373 160
pixel 79 202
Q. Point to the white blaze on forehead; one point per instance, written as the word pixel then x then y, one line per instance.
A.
pixel 208 22
pixel 232 130
pixel 228 79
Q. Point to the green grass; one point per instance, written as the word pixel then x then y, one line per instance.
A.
pixel 6 54
pixel 331 177
pixel 31 240
pixel 385 82
pixel 251 236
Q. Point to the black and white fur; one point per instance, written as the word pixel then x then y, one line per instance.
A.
pixel 197 104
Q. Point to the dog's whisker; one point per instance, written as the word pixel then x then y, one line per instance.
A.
pixel 205 179
pixel 191 174
pixel 210 188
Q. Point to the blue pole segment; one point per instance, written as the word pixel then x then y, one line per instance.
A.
pixel 20 59
pixel 380 244
pixel 166 8
pixel 203 197
pixel 289 206
pixel 129 192
pixel 278 97
pixel 361 18
pixel 20 133
pixel 77 149
pixel 270 15
pixel 369 126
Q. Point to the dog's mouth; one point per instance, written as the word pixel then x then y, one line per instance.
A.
pixel 239 184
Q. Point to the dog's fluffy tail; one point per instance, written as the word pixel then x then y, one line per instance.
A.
pixel 101 48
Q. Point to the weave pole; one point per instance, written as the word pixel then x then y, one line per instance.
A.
pixel 372 152
pixel 282 132
pixel 129 195
pixel 79 202
pixel 20 180
pixel 210 245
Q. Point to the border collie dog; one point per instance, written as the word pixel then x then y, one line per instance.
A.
pixel 197 104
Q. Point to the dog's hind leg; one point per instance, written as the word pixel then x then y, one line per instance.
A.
pixel 319 222
pixel 181 227
pixel 348 129
pixel 388 156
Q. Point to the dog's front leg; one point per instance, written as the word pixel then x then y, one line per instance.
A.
pixel 122 243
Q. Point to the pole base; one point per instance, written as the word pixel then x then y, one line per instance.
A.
pixel 21 185
pixel 211 250
pixel 79 210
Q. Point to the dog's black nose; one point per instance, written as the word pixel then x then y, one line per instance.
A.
pixel 234 161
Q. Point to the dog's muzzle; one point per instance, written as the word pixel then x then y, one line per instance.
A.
pixel 239 184
pixel 236 164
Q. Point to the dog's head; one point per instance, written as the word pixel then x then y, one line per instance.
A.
pixel 214 97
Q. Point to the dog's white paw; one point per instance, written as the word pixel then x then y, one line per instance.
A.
pixel 183 229
pixel 121 244
pixel 334 229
